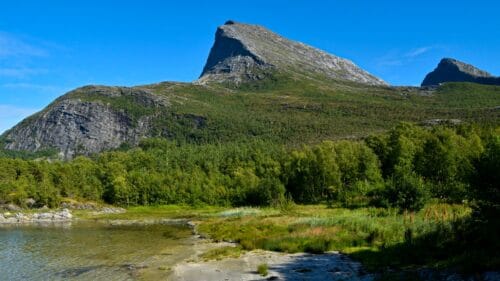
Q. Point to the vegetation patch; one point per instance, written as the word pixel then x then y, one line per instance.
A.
pixel 263 269
pixel 222 252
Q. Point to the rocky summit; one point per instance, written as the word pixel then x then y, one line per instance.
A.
pixel 244 52
pixel 92 119
pixel 452 70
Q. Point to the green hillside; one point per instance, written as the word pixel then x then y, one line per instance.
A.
pixel 297 111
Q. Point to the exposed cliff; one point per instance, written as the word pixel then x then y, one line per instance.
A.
pixel 244 52
pixel 88 120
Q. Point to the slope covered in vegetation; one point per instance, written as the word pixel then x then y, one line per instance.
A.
pixel 284 110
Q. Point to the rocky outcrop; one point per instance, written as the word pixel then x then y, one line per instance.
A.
pixel 46 217
pixel 244 52
pixel 88 120
pixel 452 70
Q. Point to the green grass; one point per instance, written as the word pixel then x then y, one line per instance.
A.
pixel 222 252
pixel 262 269
pixel 299 111
pixel 377 237
pixel 318 229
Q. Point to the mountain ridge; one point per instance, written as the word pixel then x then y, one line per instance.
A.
pixel 243 95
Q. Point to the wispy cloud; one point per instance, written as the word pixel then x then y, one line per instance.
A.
pixel 400 58
pixel 14 46
pixel 418 51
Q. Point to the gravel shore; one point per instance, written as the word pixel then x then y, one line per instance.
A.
pixel 281 266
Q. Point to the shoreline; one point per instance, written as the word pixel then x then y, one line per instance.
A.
pixel 330 265
pixel 50 216
pixel 280 266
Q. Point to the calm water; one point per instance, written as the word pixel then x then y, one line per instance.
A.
pixel 90 251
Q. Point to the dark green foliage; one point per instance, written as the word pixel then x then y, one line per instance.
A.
pixel 486 195
pixel 341 172
pixel 406 191
pixel 402 168
pixel 486 184
pixel 446 161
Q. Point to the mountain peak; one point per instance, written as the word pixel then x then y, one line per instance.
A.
pixel 245 52
pixel 452 70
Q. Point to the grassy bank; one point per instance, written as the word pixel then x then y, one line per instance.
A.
pixel 363 233
pixel 377 237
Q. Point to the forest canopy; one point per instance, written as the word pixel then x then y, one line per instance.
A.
pixel 402 168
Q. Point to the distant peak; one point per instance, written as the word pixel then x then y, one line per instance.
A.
pixel 453 70
pixel 230 22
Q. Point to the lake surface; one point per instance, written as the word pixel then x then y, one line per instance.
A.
pixel 91 251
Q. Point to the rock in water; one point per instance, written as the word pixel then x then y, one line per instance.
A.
pixel 452 70
pixel 244 52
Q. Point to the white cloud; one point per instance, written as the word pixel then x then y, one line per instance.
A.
pixel 418 51
pixel 12 46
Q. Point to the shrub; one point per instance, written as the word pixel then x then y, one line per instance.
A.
pixel 262 269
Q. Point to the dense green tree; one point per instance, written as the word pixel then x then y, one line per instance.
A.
pixel 406 191
pixel 446 161
pixel 312 173
pixel 486 183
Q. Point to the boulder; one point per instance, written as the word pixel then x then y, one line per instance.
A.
pixel 30 202
pixel 13 207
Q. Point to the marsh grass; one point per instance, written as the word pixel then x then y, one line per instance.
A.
pixel 318 229
pixel 239 212
pixel 377 237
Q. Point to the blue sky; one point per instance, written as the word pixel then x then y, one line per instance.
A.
pixel 50 47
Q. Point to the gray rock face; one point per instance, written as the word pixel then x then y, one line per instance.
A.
pixel 47 217
pixel 85 121
pixel 243 52
pixel 451 70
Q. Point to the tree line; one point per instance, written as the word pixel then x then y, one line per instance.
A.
pixel 403 168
